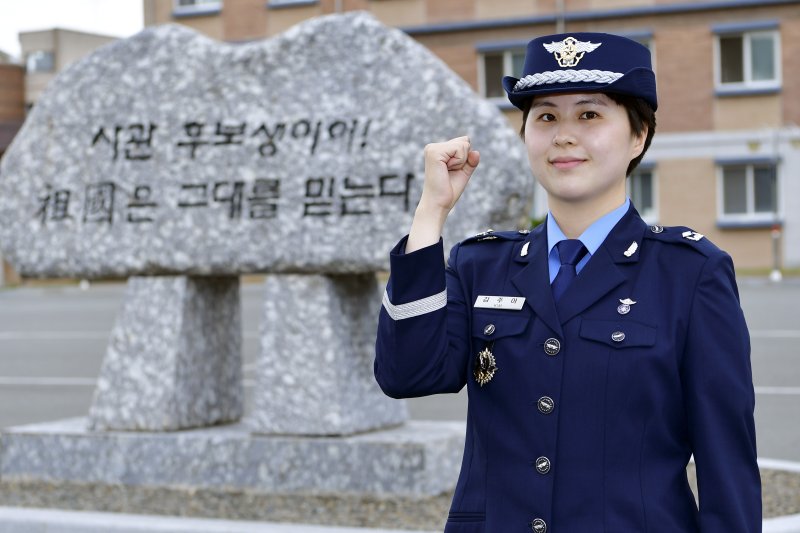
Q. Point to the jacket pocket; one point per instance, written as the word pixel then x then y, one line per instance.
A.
pixel 618 333
pixel 493 325
pixel 460 522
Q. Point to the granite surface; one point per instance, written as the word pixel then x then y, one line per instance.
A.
pixel 170 153
pixel 314 372
pixel 174 358
pixel 415 460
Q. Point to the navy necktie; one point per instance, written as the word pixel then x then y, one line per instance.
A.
pixel 570 251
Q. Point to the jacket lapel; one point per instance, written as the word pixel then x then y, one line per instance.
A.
pixel 533 281
pixel 605 270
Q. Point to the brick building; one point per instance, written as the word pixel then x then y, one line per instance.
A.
pixel 12 102
pixel 727 155
pixel 12 114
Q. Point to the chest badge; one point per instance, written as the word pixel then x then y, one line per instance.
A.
pixel 485 365
pixel 625 306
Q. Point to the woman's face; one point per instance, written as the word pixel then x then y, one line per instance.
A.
pixel 579 147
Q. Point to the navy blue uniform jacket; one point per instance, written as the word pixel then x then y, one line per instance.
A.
pixel 581 430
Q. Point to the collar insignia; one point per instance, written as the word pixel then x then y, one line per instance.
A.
pixel 524 251
pixel 692 235
pixel 485 235
pixel 625 306
pixel 570 51
pixel 631 249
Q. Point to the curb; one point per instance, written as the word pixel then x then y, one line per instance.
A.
pixel 779 464
pixel 782 524
pixel 29 520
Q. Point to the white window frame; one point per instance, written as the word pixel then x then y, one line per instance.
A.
pixel 508 69
pixel 751 216
pixel 748 83
pixel 201 7
pixel 652 216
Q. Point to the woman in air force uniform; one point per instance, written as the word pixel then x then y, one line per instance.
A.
pixel 599 353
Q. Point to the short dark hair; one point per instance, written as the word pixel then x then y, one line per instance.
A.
pixel 640 116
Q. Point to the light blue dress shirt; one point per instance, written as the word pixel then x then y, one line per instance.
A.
pixel 591 238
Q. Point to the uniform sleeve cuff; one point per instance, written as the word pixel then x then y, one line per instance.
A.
pixel 415 276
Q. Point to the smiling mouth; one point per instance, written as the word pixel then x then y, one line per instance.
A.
pixel 566 163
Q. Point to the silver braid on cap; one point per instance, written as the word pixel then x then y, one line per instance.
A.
pixel 567 76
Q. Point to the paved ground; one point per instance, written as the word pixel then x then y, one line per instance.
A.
pixel 52 341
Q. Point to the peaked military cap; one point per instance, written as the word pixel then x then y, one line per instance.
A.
pixel 584 62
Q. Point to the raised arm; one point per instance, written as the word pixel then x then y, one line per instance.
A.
pixel 423 342
pixel 448 167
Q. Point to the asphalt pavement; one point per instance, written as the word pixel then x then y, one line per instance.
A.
pixel 53 338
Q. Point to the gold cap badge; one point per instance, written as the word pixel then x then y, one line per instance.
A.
pixel 570 51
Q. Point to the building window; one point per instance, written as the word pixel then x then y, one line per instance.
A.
pixel 642 192
pixel 40 61
pixel 748 60
pixel 749 192
pixel 291 3
pixel 197 7
pixel 188 4
pixel 495 64
pixel 645 39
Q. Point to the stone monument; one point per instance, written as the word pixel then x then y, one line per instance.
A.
pixel 181 163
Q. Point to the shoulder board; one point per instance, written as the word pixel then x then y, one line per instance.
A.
pixel 491 235
pixel 682 235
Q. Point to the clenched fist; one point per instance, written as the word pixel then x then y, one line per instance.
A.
pixel 448 167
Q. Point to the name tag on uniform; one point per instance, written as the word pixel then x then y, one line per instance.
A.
pixel 512 303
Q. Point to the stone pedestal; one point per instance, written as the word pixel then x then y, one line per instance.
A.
pixel 417 459
pixel 174 357
pixel 314 375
